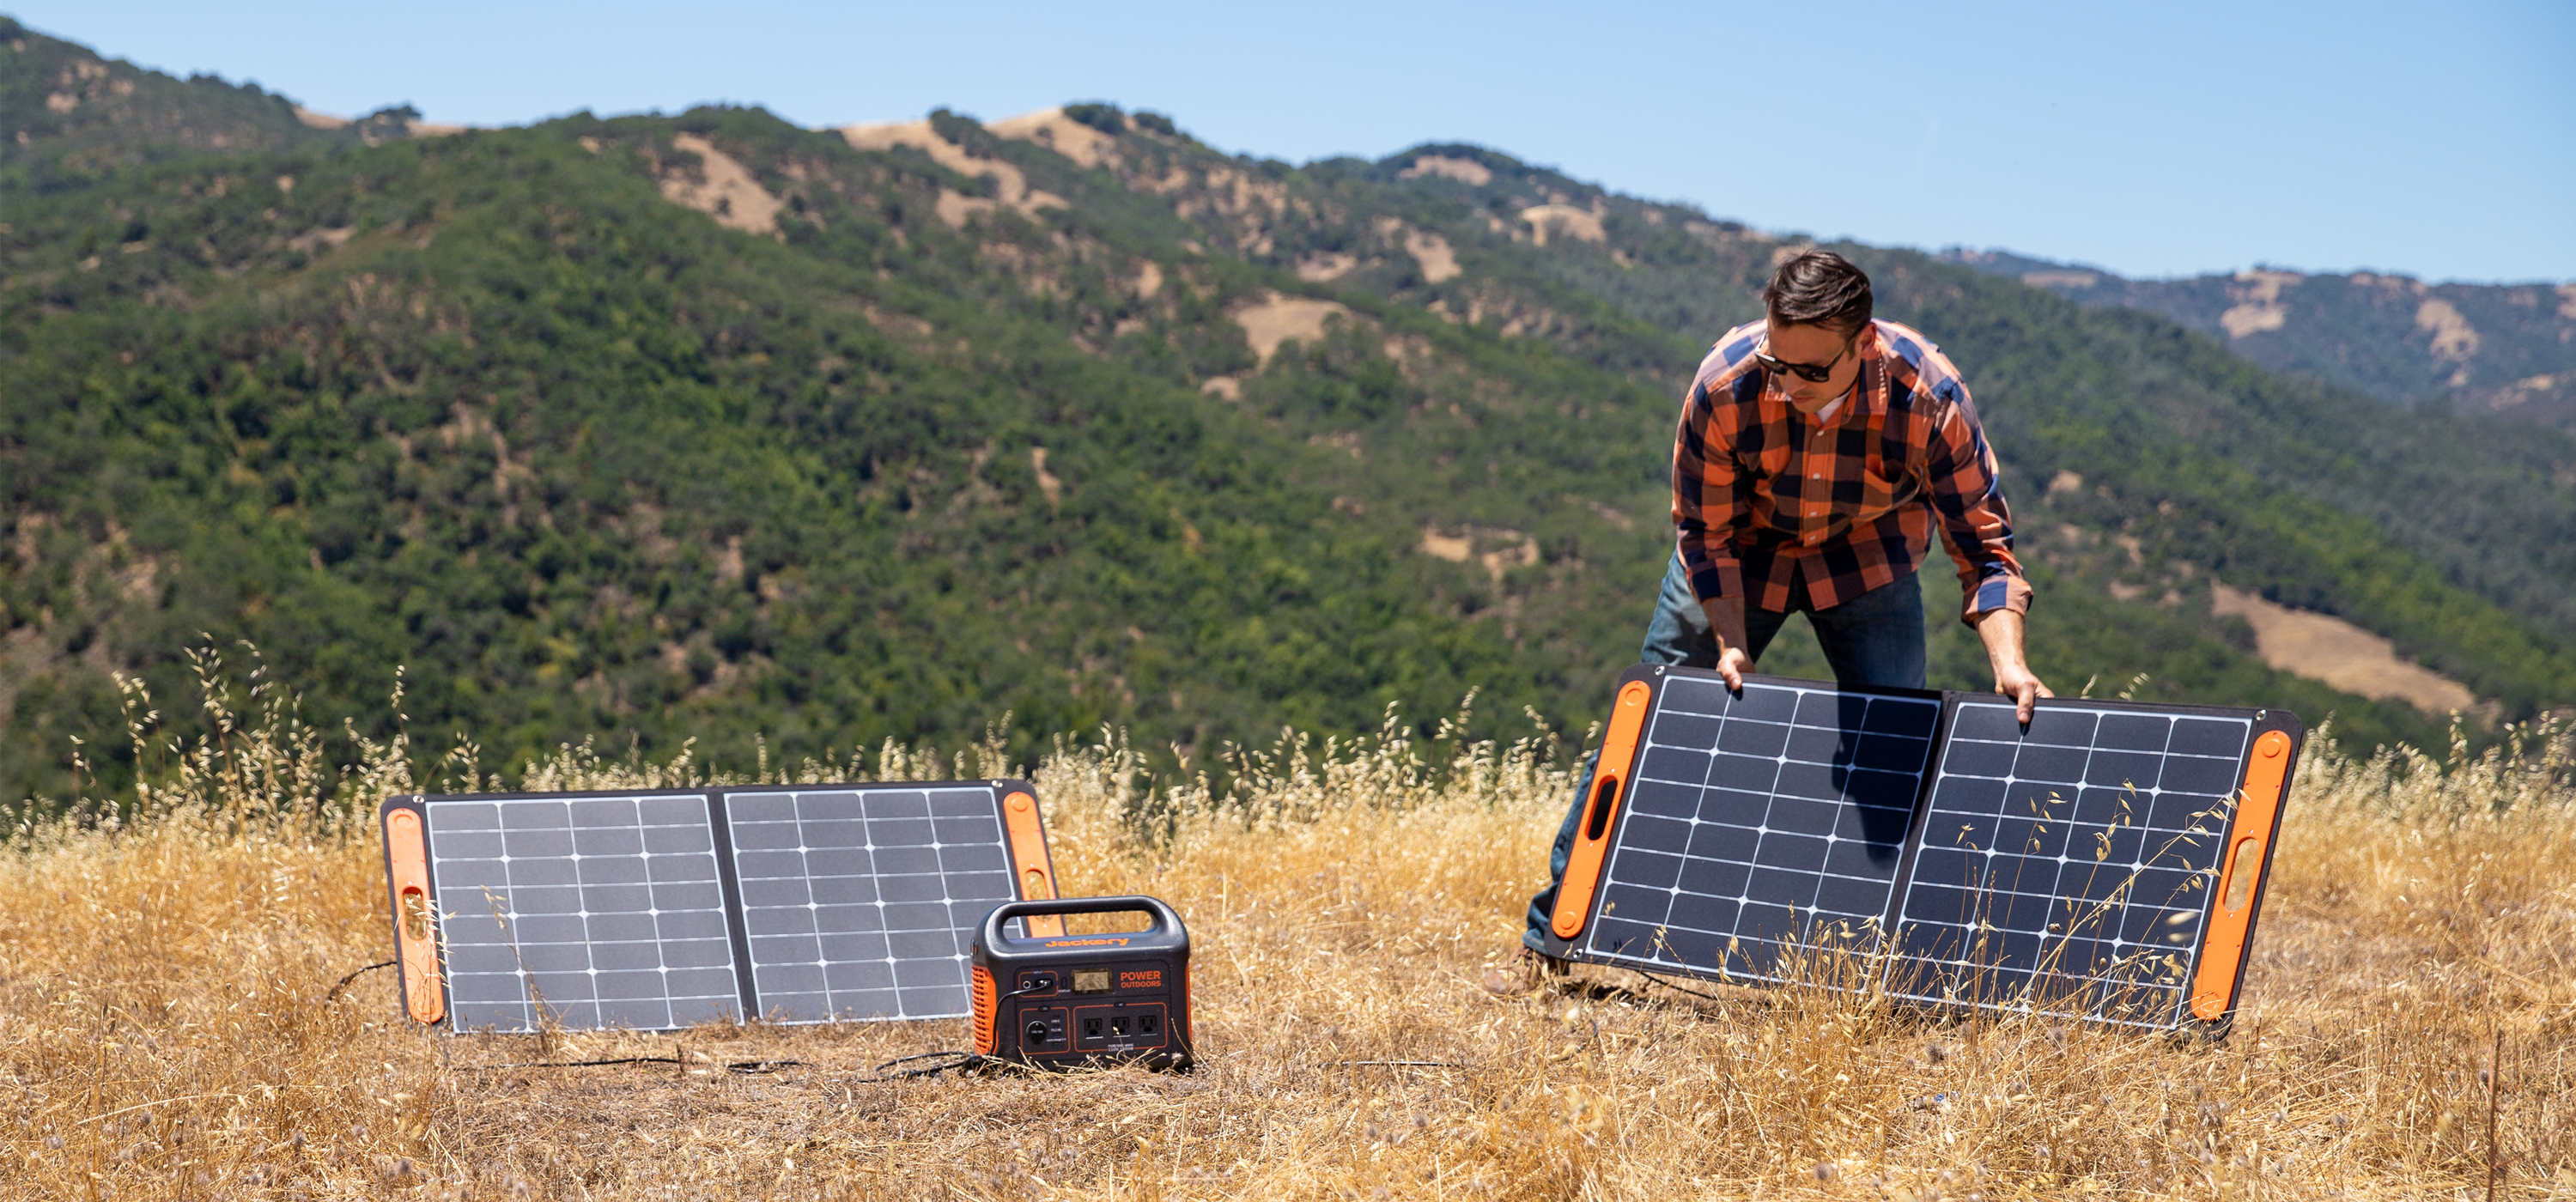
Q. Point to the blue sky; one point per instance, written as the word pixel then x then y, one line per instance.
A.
pixel 2151 138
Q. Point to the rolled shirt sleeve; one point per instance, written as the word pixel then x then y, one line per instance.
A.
pixel 1976 525
pixel 1709 501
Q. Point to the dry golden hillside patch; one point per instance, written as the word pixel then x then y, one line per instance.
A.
pixel 2328 649
pixel 1580 224
pixel 2258 302
pixel 1465 171
pixel 1054 130
pixel 1439 262
pixel 721 187
pixel 1010 185
pixel 1271 318
pixel 166 1029
pixel 2521 392
pixel 2060 279
pixel 2453 337
pixel 1325 265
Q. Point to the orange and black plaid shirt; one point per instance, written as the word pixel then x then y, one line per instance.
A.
pixel 1768 500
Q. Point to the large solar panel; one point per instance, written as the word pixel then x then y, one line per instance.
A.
pixel 2105 862
pixel 862 903
pixel 606 911
pixel 1762 822
pixel 660 909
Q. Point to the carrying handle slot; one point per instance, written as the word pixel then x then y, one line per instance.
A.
pixel 2243 865
pixel 414 909
pixel 415 916
pixel 1601 808
pixel 1605 797
pixel 2240 877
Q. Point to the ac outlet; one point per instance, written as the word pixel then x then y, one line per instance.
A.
pixel 1122 1026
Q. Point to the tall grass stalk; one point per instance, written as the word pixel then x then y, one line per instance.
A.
pixel 2410 1027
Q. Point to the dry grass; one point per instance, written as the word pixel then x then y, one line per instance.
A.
pixel 164 1031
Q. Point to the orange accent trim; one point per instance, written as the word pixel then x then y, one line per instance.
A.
pixel 415 920
pixel 2213 988
pixel 988 1006
pixel 1029 862
pixel 1592 837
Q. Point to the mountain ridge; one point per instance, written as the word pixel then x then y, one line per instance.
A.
pixel 712 424
pixel 2507 349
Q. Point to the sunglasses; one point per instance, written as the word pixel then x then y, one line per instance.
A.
pixel 1810 372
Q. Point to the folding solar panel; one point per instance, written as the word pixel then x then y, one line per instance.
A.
pixel 659 909
pixel 2104 862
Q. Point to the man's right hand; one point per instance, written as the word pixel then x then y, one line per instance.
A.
pixel 1732 664
pixel 1726 625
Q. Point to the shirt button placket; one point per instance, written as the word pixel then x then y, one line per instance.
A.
pixel 1819 499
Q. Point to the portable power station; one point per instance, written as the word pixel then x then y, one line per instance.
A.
pixel 1068 1001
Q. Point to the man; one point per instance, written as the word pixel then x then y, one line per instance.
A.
pixel 1818 450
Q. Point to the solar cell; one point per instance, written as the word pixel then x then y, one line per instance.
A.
pixel 861 903
pixel 659 909
pixel 2072 867
pixel 603 911
pixel 1760 822
pixel 2067 868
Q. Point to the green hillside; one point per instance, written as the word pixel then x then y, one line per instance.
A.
pixel 2292 486
pixel 610 467
pixel 658 428
pixel 2506 349
pixel 72 115
pixel 2419 526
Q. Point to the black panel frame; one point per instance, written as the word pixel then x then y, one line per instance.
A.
pixel 2261 721
pixel 727 879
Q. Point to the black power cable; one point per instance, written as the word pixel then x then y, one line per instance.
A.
pixel 962 1062
pixel 949 1061
pixel 334 995
pixel 747 1068
pixel 1669 983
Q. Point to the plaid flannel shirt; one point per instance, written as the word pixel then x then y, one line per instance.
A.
pixel 1764 496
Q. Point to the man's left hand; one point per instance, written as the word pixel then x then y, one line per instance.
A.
pixel 2019 683
pixel 2001 631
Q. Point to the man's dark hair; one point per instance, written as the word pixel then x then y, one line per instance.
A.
pixel 1819 288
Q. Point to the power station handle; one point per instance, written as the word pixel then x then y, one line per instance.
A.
pixel 1165 919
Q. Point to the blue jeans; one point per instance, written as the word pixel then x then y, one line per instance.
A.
pixel 1875 638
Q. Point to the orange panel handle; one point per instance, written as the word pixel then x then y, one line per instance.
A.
pixel 1609 788
pixel 2213 988
pixel 1029 862
pixel 415 922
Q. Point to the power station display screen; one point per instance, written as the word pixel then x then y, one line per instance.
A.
pixel 1091 982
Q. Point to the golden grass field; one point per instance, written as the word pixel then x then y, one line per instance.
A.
pixel 2409 1028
